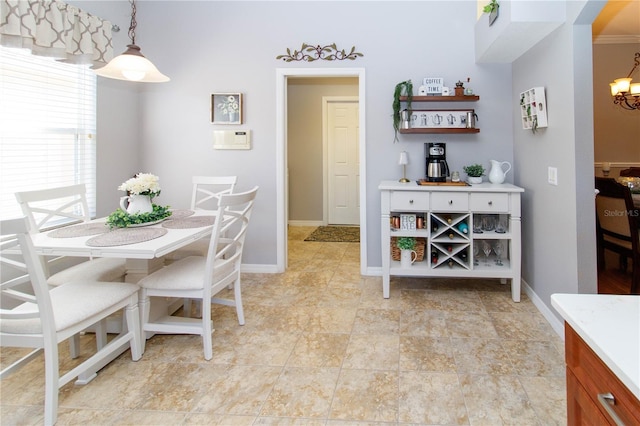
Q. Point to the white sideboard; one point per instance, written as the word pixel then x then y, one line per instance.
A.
pixel 441 214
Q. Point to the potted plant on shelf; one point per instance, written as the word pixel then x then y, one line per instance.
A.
pixel 403 88
pixel 492 10
pixel 408 254
pixel 474 173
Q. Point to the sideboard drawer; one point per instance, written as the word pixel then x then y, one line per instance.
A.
pixel 450 201
pixel 409 201
pixel 490 202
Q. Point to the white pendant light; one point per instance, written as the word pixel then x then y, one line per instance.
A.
pixel 132 65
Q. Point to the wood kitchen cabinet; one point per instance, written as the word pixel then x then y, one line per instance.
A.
pixel 445 212
pixel 595 395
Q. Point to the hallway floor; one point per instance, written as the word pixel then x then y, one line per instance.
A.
pixel 322 347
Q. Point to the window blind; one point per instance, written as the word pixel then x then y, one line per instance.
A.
pixel 47 127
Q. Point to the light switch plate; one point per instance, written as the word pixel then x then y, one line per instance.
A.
pixel 552 176
pixel 232 139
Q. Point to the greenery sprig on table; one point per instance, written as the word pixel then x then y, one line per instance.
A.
pixel 122 219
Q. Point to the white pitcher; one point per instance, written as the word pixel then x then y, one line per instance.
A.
pixel 407 257
pixel 497 174
pixel 135 204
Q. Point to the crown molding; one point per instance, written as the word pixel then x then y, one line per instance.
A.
pixel 616 39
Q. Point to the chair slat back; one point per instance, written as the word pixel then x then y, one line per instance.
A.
pixel 228 235
pixel 14 270
pixel 39 301
pixel 48 208
pixel 208 189
pixel 615 213
pixel 630 172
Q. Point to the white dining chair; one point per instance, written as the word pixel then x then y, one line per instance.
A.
pixel 41 317
pixel 205 194
pixel 202 277
pixel 51 208
pixel 54 207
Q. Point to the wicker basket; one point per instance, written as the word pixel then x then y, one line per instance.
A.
pixel 421 244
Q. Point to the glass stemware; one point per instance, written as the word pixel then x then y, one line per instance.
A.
pixel 477 224
pixel 497 248
pixel 486 249
pixel 488 222
pixel 476 252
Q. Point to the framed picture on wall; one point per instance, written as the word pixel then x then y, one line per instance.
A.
pixel 226 108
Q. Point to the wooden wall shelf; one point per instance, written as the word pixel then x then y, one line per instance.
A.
pixel 416 131
pixel 472 98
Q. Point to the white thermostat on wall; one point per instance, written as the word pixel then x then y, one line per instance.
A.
pixel 232 139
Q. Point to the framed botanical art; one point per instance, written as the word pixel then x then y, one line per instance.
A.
pixel 226 108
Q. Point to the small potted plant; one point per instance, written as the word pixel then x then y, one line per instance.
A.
pixel 403 88
pixel 492 9
pixel 408 254
pixel 474 173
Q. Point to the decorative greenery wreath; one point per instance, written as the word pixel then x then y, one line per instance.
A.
pixel 122 219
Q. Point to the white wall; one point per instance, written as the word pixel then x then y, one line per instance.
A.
pixel 230 46
pixel 558 221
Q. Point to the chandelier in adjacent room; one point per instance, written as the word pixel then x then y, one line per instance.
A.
pixel 625 93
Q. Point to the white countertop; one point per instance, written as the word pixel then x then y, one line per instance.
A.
pixel 393 185
pixel 610 325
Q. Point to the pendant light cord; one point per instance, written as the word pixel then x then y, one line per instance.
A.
pixel 132 26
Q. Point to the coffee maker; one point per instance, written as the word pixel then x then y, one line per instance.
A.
pixel 436 158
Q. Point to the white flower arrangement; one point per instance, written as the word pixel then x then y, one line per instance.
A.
pixel 229 106
pixel 142 184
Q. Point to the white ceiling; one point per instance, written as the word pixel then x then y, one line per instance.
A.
pixel 618 18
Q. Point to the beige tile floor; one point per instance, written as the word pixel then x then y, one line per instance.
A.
pixel 322 347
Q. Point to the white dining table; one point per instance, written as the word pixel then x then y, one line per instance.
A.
pixel 142 259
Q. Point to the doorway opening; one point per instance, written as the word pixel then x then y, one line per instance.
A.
pixel 283 78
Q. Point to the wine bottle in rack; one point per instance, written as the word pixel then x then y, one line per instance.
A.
pixel 463 255
pixel 463 227
pixel 449 248
pixel 434 226
pixel 434 257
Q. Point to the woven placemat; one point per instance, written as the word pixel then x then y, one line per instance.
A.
pixel 179 214
pixel 189 222
pixel 82 230
pixel 124 236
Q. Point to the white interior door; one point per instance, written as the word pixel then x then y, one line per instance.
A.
pixel 343 160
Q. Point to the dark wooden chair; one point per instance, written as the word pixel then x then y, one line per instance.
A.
pixel 617 225
pixel 630 172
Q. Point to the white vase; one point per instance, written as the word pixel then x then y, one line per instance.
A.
pixel 136 204
pixel 474 179
pixel 407 257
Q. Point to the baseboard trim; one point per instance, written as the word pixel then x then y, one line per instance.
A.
pixel 552 319
pixel 259 268
pixel 306 223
